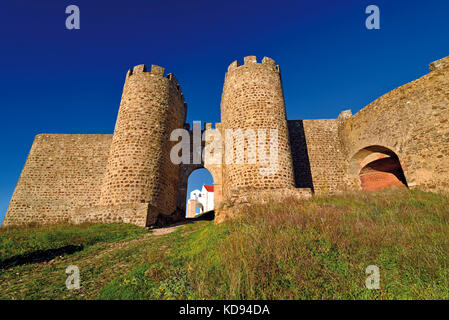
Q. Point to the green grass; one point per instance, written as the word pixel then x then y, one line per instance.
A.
pixel 46 280
pixel 317 249
pixel 24 240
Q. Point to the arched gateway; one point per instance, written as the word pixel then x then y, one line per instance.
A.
pixel 377 168
pixel 400 139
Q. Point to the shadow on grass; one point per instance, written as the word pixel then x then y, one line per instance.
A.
pixel 38 256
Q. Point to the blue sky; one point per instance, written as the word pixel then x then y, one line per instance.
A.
pixel 56 80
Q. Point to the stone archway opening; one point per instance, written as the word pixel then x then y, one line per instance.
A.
pixel 200 193
pixel 377 168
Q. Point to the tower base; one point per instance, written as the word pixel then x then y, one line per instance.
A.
pixel 139 214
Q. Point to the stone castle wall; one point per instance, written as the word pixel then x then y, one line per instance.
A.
pixel 128 177
pixel 413 122
pixel 62 172
pixel 139 214
pixel 317 155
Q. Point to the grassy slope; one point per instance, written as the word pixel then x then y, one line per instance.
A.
pixel 22 241
pixel 308 250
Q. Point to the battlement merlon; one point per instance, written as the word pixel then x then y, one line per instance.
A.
pixel 344 115
pixel 212 127
pixel 442 64
pixel 251 60
pixel 142 68
pixel 155 70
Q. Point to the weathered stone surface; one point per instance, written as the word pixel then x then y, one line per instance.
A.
pixel 413 122
pixel 240 198
pixel 140 214
pixel 253 99
pixel 63 171
pixel 139 169
pixel 401 139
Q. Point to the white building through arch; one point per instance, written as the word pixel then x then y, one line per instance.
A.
pixel 203 200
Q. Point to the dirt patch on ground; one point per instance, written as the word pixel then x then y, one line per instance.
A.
pixel 167 230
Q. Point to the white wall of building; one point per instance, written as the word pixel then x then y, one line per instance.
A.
pixel 204 198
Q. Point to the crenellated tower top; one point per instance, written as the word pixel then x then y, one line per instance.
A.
pixel 156 71
pixel 251 61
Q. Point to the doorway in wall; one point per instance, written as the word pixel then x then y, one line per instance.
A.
pixel 200 193
pixel 378 168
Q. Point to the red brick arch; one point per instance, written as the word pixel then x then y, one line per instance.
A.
pixel 376 168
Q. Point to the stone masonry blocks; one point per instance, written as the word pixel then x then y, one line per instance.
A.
pixel 139 169
pixel 128 176
pixel 255 91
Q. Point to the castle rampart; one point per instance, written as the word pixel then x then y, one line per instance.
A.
pixel 400 139
pixel 413 122
pixel 317 155
pixel 62 172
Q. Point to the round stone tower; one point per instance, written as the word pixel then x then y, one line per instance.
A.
pixel 253 101
pixel 139 169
